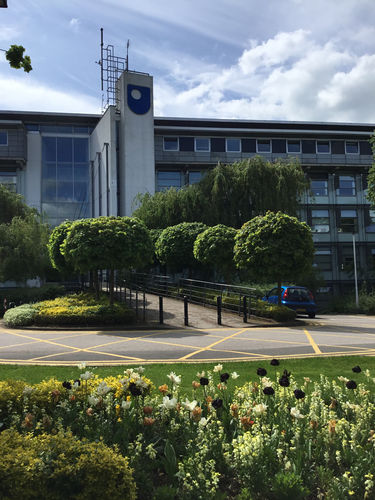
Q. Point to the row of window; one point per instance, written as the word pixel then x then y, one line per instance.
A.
pixel 323 259
pixel 345 186
pixel 347 221
pixel 234 145
pixel 3 138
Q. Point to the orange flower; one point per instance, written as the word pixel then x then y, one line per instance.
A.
pixel 55 395
pixel 333 403
pixel 209 399
pixel 247 423
pixel 221 387
pixel 332 426
pixel 163 389
pixel 313 424
pixel 196 413
pixel 148 421
pixel 72 397
pixel 28 421
pixel 195 384
pixel 234 410
pixel 147 410
pixel 89 412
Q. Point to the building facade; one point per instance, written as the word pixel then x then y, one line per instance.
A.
pixel 71 166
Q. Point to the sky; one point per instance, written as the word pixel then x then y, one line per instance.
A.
pixel 302 60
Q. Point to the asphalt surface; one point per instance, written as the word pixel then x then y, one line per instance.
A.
pixel 202 340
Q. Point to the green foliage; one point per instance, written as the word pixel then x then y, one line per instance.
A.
pixel 27 295
pixel 20 316
pixel 228 194
pixel 23 251
pixel 61 466
pixel 174 246
pixel 287 485
pixel 214 247
pixel 346 304
pixel 56 239
pixel 275 247
pixel 107 243
pixel 16 58
pixel 82 309
pixel 154 234
pixel 273 311
pixel 12 205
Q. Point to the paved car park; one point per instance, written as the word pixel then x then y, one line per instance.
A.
pixel 327 335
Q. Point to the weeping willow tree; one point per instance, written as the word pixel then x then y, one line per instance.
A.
pixel 229 194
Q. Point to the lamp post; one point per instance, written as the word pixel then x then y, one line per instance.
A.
pixel 355 273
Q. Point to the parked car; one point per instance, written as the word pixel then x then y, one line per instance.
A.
pixel 298 298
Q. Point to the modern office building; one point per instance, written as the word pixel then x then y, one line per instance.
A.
pixel 73 166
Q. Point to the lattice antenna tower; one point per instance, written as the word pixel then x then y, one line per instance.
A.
pixel 111 68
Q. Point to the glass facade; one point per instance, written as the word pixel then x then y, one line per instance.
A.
pixel 9 179
pixel 65 178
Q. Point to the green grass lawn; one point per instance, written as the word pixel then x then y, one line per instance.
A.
pixel 306 367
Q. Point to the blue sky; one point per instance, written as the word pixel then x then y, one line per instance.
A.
pixel 251 59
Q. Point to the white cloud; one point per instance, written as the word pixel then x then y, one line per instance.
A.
pixel 290 76
pixel 74 24
pixel 23 94
pixel 8 34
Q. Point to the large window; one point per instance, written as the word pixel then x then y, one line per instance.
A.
pixel 166 179
pixel 319 187
pixel 320 221
pixel 348 222
pixel 294 146
pixel 351 147
pixel 170 143
pixel 346 185
pixel 323 259
pixel 323 147
pixel 3 138
pixel 263 146
pixel 65 177
pixel 202 144
pixel 233 145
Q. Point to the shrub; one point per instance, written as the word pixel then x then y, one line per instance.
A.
pixel 278 313
pixel 61 466
pixel 347 305
pixel 20 316
pixel 26 295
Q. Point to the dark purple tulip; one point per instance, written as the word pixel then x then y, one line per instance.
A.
pixel 217 403
pixel 134 390
pixel 262 372
pixel 351 384
pixel 299 394
pixel 268 391
pixel 203 381
pixel 224 377
pixel 67 385
pixel 274 362
pixel 357 369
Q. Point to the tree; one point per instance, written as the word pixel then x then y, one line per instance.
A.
pixel 275 247
pixel 174 247
pixel 56 239
pixel 23 250
pixel 12 205
pixel 107 243
pixel 228 194
pixel 14 55
pixel 214 247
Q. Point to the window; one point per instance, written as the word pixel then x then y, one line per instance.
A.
pixel 294 146
pixel 320 221
pixel 9 180
pixel 202 144
pixel 170 143
pixel 348 221
pixel 346 185
pixel 233 145
pixel 351 147
pixel 319 187
pixel 263 146
pixel 167 179
pixel 323 147
pixel 370 226
pixel 194 177
pixel 3 138
pixel 323 260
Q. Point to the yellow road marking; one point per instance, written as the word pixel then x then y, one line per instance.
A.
pixel 213 344
pixel 130 358
pixel 312 342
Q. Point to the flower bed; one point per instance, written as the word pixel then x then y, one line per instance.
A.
pixel 267 439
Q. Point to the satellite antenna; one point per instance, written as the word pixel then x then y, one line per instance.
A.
pixel 111 68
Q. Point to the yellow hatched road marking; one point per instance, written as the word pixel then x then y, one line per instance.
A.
pixel 312 342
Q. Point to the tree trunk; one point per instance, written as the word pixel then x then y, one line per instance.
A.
pixel 278 292
pixel 96 283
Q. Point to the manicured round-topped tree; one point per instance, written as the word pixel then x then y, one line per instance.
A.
pixel 56 239
pixel 174 247
pixel 214 247
pixel 275 247
pixel 108 243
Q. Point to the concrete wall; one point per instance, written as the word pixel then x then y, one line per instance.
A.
pixel 137 156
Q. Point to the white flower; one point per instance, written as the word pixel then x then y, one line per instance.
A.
pixel 203 422
pixel 260 409
pixel 169 404
pixel 343 379
pixel 86 375
pixel 175 379
pixel 266 382
pixel 189 405
pixel 234 375
pixel 81 366
pixel 201 374
pixel 126 405
pixel 218 368
pixel 367 373
pixel 141 383
pixel 93 401
pixel 103 389
pixel 140 369
pixel 296 413
pixel 27 390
